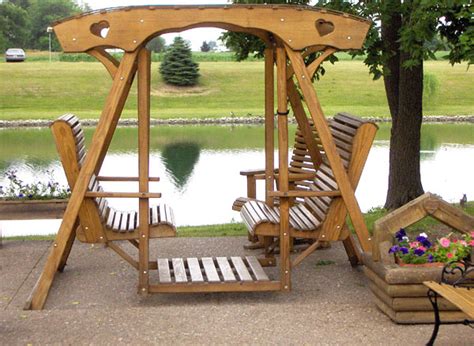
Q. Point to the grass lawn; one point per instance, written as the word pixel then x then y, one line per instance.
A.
pixel 427 225
pixel 43 90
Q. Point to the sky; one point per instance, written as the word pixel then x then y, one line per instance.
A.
pixel 195 36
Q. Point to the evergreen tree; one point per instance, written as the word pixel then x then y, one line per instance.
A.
pixel 178 67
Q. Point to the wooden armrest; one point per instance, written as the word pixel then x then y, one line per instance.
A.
pixel 104 178
pixel 252 172
pixel 100 194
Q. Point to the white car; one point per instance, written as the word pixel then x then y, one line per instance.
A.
pixel 15 54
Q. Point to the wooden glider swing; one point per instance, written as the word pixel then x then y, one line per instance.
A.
pixel 290 33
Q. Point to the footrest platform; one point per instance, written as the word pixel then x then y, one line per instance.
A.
pixel 207 274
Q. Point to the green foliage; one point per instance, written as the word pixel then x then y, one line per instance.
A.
pixel 205 47
pixel 157 44
pixel 178 67
pixel 244 45
pixel 44 13
pixel 23 23
pixel 14 24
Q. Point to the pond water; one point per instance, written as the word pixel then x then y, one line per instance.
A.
pixel 199 167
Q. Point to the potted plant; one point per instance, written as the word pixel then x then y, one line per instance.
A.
pixel 37 200
pixel 423 252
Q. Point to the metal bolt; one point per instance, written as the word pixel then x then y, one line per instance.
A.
pixel 338 227
pixel 101 237
pixel 143 236
pixel 369 238
pixel 284 233
pixel 282 19
pixel 134 41
pixel 143 289
pixel 303 76
pixel 286 271
pixel 289 40
pixel 348 37
pixel 86 228
pixel 74 39
pixel 144 272
pixel 141 20
pixel 323 236
pixel 121 78
pixel 55 245
pixel 286 287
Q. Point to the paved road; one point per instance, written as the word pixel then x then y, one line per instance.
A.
pixel 95 301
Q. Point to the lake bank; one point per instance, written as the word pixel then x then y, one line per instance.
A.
pixel 219 121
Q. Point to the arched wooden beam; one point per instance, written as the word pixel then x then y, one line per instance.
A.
pixel 128 28
pixel 109 62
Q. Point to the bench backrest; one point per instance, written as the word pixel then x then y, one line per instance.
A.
pixel 70 144
pixel 353 138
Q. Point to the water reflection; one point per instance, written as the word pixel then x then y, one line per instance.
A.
pixel 202 184
pixel 179 159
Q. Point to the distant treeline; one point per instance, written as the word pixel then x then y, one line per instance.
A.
pixel 158 57
pixel 24 23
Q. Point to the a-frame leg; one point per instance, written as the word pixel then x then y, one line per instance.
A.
pixel 68 248
pixel 102 136
pixel 304 79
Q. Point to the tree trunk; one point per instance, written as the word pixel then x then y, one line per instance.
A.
pixel 404 89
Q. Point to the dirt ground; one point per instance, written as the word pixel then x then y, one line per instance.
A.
pixel 94 301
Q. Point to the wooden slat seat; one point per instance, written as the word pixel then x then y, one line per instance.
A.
pixel 117 224
pixel 210 271
pixel 462 297
pixel 308 215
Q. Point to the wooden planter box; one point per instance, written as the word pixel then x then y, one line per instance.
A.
pixel 32 209
pixel 400 294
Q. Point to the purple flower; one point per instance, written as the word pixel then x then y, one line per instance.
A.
pixel 430 258
pixel 419 252
pixel 21 195
pixel 424 241
pixel 394 249
pixel 30 196
pixel 404 250
pixel 400 234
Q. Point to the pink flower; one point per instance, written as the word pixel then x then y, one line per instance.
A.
pixel 449 255
pixel 463 242
pixel 472 234
pixel 444 242
pixel 414 244
pixel 422 248
pixel 471 242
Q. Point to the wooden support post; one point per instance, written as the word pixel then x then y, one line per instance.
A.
pixel 303 124
pixel 144 71
pixel 269 123
pixel 285 270
pixel 347 192
pixel 68 248
pixel 103 134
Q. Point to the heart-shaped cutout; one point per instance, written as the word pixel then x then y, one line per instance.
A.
pixel 324 27
pixel 100 29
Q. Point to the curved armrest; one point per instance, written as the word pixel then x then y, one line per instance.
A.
pixel 252 172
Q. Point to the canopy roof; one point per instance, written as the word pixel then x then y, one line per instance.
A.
pixel 130 27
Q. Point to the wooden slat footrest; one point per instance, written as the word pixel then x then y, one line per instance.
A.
pixel 207 274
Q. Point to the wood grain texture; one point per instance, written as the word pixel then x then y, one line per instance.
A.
pixel 131 27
